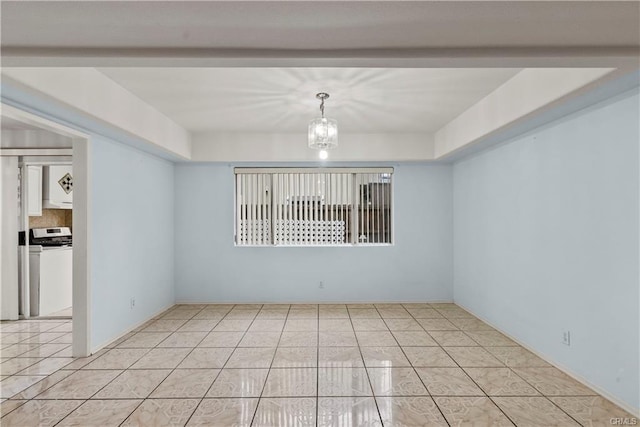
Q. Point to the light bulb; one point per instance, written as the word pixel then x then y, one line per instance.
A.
pixel 323 154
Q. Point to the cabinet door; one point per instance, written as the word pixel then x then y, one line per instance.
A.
pixel 34 196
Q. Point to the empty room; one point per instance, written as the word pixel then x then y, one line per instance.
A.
pixel 320 213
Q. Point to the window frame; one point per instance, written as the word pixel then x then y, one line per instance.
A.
pixel 317 170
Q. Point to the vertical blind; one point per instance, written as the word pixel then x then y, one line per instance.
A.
pixel 313 206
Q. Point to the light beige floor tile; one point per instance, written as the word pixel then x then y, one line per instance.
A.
pixel 260 357
pixel 272 315
pixel 347 411
pixel 299 339
pixel 301 325
pixel 233 325
pixel 364 313
pixel 473 357
pixel 298 412
pixel 221 339
pixel 500 382
pixel 296 357
pixel 52 337
pixel 206 357
pixel 42 385
pixel 133 384
pixel 448 382
pixel 302 314
pixel 80 385
pixel 46 366
pixel 592 410
pixel 186 383
pixel 394 313
pixel 343 382
pixel 267 325
pixel 161 358
pixel 369 325
pixel 384 357
pixel 241 314
pixel 414 305
pixel 403 325
pixel 165 325
pixel 517 357
pixel 102 413
pixel 290 382
pixel 162 413
pixel 491 339
pixel 335 325
pixel 7 406
pixel 180 313
pixel 45 350
pixel 388 305
pixel 360 305
pixel 17 364
pixel 472 411
pixel 79 362
pixel 409 411
pixel 66 352
pixel 414 339
pixel 553 382
pixel 339 357
pixel 452 338
pixel 471 325
pixel 333 313
pixel 425 313
pixel 267 307
pixel 437 325
pixel 14 350
pixel 337 339
pixel 376 339
pixel 117 358
pixel 434 357
pixel 239 383
pixel 209 315
pixel 198 325
pixel 260 339
pixel 396 382
pixel 144 340
pixel 183 339
pixel 40 413
pixel 533 412
pixel 454 313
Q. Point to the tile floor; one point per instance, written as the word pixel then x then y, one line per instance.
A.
pixel 290 365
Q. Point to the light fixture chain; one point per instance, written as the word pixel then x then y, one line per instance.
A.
pixel 322 107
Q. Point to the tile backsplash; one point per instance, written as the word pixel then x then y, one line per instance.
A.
pixel 52 218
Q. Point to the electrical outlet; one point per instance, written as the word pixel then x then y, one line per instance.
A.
pixel 566 338
pixel 133 303
pixel 321 285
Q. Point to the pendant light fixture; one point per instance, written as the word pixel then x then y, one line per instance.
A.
pixel 323 132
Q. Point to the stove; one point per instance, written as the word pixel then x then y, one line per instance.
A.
pixel 50 237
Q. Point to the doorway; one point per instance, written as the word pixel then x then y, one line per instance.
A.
pixel 45 211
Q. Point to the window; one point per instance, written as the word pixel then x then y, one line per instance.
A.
pixel 313 206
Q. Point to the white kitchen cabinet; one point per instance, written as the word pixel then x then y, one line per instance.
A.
pixel 51 281
pixel 34 191
pixel 58 187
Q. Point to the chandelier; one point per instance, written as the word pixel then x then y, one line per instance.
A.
pixel 323 132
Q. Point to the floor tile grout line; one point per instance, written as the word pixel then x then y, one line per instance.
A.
pixel 172 370
pixel 218 374
pixel 255 412
pixel 366 371
pixel 414 369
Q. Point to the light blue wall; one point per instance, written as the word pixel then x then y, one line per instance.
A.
pixel 210 269
pixel 546 240
pixel 132 238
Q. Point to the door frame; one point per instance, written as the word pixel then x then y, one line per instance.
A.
pixel 81 160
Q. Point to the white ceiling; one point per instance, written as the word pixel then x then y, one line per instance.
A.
pixel 282 100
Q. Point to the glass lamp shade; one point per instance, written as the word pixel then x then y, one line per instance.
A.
pixel 323 133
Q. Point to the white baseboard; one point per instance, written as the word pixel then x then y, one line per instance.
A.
pixel 546 358
pixel 137 325
pixel 316 302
